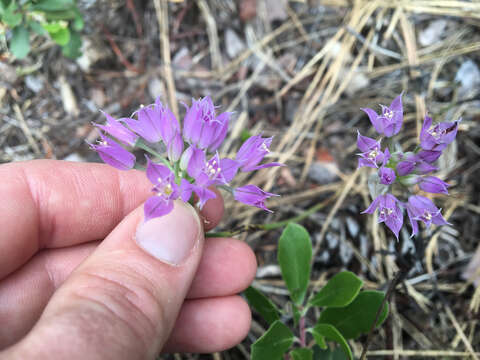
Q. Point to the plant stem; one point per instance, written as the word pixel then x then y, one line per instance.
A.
pixel 388 294
pixel 153 152
pixel 301 327
pixel 271 226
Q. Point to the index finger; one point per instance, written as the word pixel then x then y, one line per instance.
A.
pixel 50 204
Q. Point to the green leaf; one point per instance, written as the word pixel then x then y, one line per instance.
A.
pixel 68 14
pixel 296 315
pixel 78 22
pixel 73 49
pixel 319 339
pixel 331 333
pixel 301 354
pixel 10 16
pixel 328 354
pixel 294 255
pixel 339 291
pixel 53 5
pixel 262 305
pixel 37 27
pixel 358 317
pixel 20 42
pixel 274 343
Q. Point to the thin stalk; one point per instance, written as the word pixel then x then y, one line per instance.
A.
pixel 271 226
pixel 153 152
pixel 302 330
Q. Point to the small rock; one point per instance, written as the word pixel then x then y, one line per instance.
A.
pixel 91 53
pixel 432 33
pixel 346 252
pixel 322 172
pixel 268 271
pixel 247 9
pixel 233 44
pixel 8 73
pixel 155 87
pixel 358 82
pixel 276 9
pixel 68 97
pixel 352 226
pixel 324 257
pixel 183 59
pixel 74 157
pixel 34 83
pixel 332 240
pixel 468 75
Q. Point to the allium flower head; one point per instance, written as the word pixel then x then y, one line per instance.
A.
pixel 114 154
pixel 389 212
pixel 187 174
pixel 252 152
pixel 390 121
pixel 252 195
pixel 371 152
pixel 420 208
pixel 202 127
pixel 436 138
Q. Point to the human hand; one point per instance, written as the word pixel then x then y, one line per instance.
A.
pixel 64 293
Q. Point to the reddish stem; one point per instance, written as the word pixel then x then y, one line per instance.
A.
pixel 301 325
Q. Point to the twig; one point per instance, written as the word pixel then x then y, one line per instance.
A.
pixel 26 130
pixel 128 65
pixel 388 294
pixel 161 10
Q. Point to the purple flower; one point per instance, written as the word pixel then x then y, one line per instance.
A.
pixel 117 130
pixel 387 175
pixel 389 212
pixel 420 208
pixel 155 122
pixel 202 127
pixel 433 184
pixel 371 153
pixel 252 152
pixel 429 156
pixel 252 195
pixel 165 189
pixel 113 154
pixel 437 138
pixel 390 122
pixel 215 171
pixel 413 163
pixel 203 193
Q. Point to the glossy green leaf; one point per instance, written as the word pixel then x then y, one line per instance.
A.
pixel 328 354
pixel 20 42
pixel 301 354
pixel 328 331
pixel 262 305
pixel 339 291
pixel 294 255
pixel 274 343
pixel 68 14
pixel 37 27
pixel 73 49
pixel 357 317
pixel 10 16
pixel 60 35
pixel 53 5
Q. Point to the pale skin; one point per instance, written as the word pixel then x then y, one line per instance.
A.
pixel 74 284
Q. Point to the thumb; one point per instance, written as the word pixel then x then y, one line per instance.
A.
pixel 122 302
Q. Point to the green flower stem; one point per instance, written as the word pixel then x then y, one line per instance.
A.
pixel 151 151
pixel 271 226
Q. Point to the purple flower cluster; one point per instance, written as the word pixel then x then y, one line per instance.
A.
pixel 192 164
pixel 408 169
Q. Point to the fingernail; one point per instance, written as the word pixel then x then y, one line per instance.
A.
pixel 171 238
